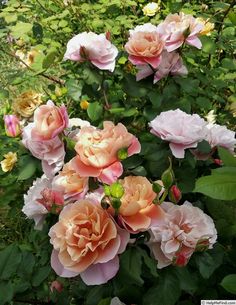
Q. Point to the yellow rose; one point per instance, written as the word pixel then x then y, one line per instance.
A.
pixel 150 9
pixel 26 103
pixel 8 163
pixel 208 26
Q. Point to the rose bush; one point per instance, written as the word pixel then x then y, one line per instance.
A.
pixel 118 114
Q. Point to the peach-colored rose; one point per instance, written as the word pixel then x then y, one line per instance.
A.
pixel 145 48
pixel 183 229
pixel 137 211
pixel 180 28
pixel 49 121
pixel 87 242
pixel 70 183
pixel 97 151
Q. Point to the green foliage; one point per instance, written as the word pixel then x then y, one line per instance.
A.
pixel 45 27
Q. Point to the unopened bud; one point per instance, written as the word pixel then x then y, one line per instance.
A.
pixel 174 194
pixel 218 161
pixel 157 188
pixel 12 125
pixel 122 154
pixel 116 203
pixel 116 190
pixel 168 178
pixel 84 104
pixel 107 190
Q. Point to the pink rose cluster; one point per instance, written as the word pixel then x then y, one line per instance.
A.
pixel 152 49
pixel 184 131
pixel 184 230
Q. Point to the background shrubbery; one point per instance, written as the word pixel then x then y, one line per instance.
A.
pixel 33 38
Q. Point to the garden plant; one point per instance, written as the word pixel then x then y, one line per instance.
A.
pixel 117 152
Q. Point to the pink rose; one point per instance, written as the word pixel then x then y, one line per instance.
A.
pixel 147 27
pixel 86 242
pixel 93 47
pixel 137 211
pixel 70 183
pixel 182 231
pixel 145 48
pixel 40 199
pixel 49 121
pixel 177 29
pixel 51 152
pixel 12 125
pixel 171 63
pixel 221 136
pixel 182 130
pixel 97 151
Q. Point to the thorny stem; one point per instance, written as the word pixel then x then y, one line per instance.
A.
pixel 51 78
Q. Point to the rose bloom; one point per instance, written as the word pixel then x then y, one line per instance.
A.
pixel 177 29
pixel 208 27
pixel 12 125
pixel 97 151
pixel 171 63
pixel 150 9
pixel 40 199
pixel 221 136
pixel 183 229
pixel 26 103
pixel 93 47
pixel 51 152
pixel 182 130
pixel 145 28
pixel 145 48
pixel 8 163
pixel 137 211
pixel 70 183
pixel 49 121
pixel 86 242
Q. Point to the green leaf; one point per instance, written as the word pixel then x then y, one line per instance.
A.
pixel 221 187
pixel 74 89
pixel 204 147
pixel 229 283
pixel 28 169
pixel 229 63
pixel 20 29
pixel 10 259
pixel 227 158
pixel 95 111
pixel 6 292
pixel 209 261
pixel 188 280
pixel 208 45
pixel 40 275
pixel 232 17
pixel 166 292
pixel 49 59
pixel 131 265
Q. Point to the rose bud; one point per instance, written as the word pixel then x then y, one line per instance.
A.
pixel 175 194
pixel 55 285
pixel 12 125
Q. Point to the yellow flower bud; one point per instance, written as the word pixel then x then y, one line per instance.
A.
pixel 84 104
pixel 8 163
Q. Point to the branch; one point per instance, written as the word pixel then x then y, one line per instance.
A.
pixel 51 78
